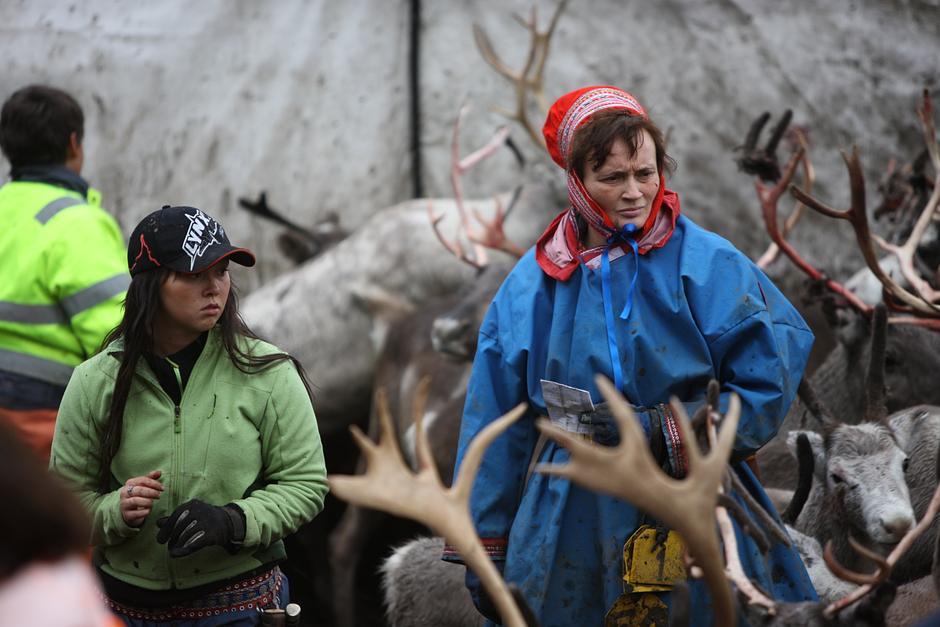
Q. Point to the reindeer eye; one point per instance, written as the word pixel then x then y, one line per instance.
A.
pixel 836 478
pixel 905 463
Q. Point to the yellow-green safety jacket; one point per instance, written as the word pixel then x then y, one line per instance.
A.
pixel 63 276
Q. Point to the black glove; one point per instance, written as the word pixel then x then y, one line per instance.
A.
pixel 195 525
pixel 481 599
pixel 606 432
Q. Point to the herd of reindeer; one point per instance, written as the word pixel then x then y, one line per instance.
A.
pixel 859 502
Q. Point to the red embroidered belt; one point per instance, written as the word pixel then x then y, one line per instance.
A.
pixel 254 593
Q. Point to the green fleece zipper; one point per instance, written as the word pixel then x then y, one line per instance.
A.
pixel 177 457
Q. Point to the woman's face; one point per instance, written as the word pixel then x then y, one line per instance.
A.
pixel 190 304
pixel 625 185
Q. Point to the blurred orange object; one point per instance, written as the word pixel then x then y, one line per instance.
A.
pixel 36 426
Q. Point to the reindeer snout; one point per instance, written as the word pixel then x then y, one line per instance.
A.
pixel 897 525
pixel 450 336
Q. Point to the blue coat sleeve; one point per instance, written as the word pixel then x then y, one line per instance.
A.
pixel 759 346
pixel 496 385
pixel 763 362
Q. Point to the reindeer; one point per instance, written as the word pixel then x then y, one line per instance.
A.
pixel 438 342
pixel 390 485
pixel 859 469
pixel 863 474
pixel 422 345
pixel 913 601
pixel 422 589
pixel 860 489
pixel 913 343
pixel 409 355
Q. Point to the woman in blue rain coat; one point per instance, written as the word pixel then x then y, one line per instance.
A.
pixel 623 285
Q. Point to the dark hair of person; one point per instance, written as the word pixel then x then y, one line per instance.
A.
pixel 42 520
pixel 593 141
pixel 36 123
pixel 136 327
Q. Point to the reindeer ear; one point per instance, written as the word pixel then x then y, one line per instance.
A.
pixel 384 307
pixel 816 444
pixel 379 302
pixel 849 327
pixel 904 424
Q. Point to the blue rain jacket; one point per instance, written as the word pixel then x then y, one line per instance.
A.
pixel 701 310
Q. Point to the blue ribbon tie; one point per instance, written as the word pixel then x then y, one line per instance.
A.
pixel 623 236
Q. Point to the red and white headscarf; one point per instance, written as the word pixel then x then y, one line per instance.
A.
pixel 559 249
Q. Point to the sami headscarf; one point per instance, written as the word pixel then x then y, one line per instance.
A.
pixel 559 250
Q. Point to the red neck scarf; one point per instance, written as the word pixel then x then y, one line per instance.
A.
pixel 559 249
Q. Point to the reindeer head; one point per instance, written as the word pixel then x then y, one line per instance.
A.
pixel 861 469
pixel 454 333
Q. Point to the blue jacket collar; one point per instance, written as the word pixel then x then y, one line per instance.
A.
pixel 57 175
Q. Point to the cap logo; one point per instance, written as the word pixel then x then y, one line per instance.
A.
pixel 144 248
pixel 200 236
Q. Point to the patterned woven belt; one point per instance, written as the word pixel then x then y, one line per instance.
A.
pixel 257 592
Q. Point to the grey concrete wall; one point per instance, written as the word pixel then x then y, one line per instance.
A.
pixel 203 102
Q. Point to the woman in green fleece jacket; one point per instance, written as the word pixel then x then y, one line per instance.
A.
pixel 192 443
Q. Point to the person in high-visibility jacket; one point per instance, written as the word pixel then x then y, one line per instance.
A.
pixel 63 273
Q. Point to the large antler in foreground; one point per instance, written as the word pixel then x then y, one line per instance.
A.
pixel 390 485
pixel 628 471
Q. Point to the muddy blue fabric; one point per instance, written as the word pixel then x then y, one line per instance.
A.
pixel 701 310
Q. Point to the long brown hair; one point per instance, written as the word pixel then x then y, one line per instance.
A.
pixel 136 327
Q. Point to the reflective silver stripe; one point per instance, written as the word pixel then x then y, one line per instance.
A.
pixel 71 306
pixel 32 314
pixel 36 367
pixel 97 293
pixel 48 212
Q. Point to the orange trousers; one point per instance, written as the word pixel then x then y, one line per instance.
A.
pixel 36 426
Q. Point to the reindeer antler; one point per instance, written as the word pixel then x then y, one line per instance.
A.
pixel 905 253
pixel 734 570
pixel 762 162
pixel 809 177
pixel 768 200
pixel 391 486
pixel 686 505
pixel 492 234
pixel 530 78
pixel 857 216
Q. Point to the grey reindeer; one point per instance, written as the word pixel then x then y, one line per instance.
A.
pixel 914 601
pixel 871 479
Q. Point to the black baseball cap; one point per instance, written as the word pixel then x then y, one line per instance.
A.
pixel 184 239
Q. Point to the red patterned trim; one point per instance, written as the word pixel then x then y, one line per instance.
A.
pixel 680 459
pixel 495 548
pixel 587 105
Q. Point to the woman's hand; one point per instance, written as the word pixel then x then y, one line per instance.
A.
pixel 137 497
